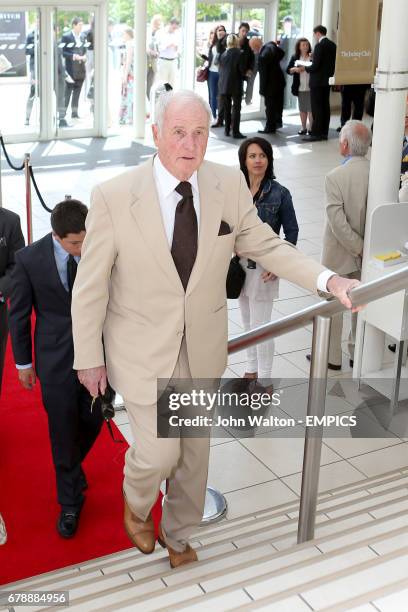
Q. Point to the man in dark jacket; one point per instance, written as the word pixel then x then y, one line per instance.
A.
pixel 230 85
pixel 271 85
pixel 322 68
pixel 11 240
pixel 30 51
pixel 42 281
pixel 74 53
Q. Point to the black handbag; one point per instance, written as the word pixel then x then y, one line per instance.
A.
pixel 235 278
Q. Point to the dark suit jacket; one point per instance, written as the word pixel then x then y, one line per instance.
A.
pixel 232 70
pixel 75 69
pixel 296 76
pixel 11 240
pixel 324 63
pixel 37 285
pixel 271 77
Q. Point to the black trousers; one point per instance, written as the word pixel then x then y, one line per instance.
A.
pixel 73 89
pixel 3 338
pixel 320 102
pixel 73 429
pixel 352 95
pixel 274 110
pixel 231 108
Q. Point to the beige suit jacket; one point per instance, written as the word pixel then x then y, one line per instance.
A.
pixel 128 289
pixel 346 204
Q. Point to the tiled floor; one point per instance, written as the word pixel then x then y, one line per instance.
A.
pixel 253 473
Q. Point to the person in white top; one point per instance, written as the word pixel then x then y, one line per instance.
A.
pixel 300 83
pixel 168 44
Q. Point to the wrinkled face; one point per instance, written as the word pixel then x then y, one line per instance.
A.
pixel 182 140
pixel 304 47
pixel 72 243
pixel 242 32
pixel 256 161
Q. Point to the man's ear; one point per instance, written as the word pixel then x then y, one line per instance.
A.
pixel 155 133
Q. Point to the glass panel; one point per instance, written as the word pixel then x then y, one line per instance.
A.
pixel 19 72
pixel 289 19
pixel 74 65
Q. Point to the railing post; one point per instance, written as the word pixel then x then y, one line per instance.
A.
pixel 313 437
pixel 29 210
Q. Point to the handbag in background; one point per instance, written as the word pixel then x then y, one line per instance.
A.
pixel 235 278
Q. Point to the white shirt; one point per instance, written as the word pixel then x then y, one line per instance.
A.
pixel 166 184
pixel 164 40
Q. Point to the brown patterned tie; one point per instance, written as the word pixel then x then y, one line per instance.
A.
pixel 184 246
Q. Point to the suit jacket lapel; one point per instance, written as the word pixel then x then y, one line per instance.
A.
pixel 146 211
pixel 211 206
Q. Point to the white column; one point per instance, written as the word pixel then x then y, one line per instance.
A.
pixel 330 11
pixel 391 84
pixel 139 63
pixel 188 52
pixel 311 16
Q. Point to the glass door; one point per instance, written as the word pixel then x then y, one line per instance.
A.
pixel 20 98
pixel 74 86
pixel 256 18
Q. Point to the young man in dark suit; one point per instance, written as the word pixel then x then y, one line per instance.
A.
pixel 271 85
pixel 74 53
pixel 11 240
pixel 322 68
pixel 42 281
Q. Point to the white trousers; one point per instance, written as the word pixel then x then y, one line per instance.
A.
pixel 259 356
pixel 166 72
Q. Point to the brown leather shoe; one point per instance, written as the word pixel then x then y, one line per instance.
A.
pixel 176 558
pixel 141 533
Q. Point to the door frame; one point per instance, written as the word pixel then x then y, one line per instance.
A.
pixel 48 130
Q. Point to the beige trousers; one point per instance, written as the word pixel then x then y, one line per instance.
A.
pixel 150 460
pixel 336 330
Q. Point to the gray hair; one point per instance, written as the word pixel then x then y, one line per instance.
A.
pixel 232 41
pixel 182 95
pixel 358 137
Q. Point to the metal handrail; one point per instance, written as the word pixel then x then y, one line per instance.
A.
pixel 320 314
pixel 365 293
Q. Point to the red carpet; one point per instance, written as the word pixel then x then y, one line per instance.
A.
pixel 28 493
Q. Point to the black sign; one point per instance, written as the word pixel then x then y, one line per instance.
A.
pixel 12 44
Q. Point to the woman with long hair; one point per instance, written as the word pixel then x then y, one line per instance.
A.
pixel 275 207
pixel 300 83
pixel 216 46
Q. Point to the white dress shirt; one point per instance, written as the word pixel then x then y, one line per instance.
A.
pixel 164 40
pixel 166 184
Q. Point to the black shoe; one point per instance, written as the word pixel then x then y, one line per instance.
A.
pixel 64 124
pixel 67 524
pixel 227 133
pixel 27 122
pixel 302 132
pixel 338 129
pixel 331 366
pixel 217 124
pixel 238 135
pixel 392 348
pixel 75 116
pixel 266 131
pixel 351 362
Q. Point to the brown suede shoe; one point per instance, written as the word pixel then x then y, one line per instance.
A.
pixel 141 533
pixel 176 558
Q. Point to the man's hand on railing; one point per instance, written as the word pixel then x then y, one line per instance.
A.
pixel 340 288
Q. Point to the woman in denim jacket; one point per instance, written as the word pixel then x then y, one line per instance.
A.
pixel 275 207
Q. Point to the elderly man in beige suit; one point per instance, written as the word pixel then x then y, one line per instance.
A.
pixel 152 282
pixel 343 239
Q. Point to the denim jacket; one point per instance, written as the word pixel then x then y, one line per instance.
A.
pixel 275 207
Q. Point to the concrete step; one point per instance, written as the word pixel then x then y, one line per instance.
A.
pixel 337 501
